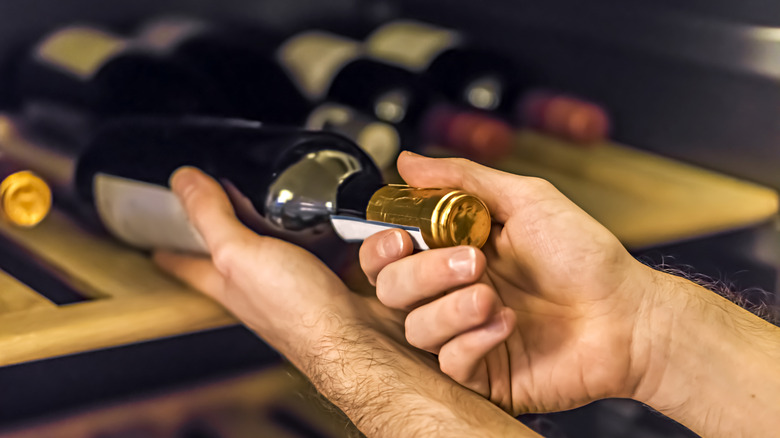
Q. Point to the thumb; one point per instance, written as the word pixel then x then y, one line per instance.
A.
pixel 504 193
pixel 207 207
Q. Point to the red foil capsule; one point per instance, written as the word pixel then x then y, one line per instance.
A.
pixel 470 134
pixel 565 116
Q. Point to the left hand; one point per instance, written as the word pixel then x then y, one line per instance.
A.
pixel 281 291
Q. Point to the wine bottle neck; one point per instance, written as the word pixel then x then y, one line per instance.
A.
pixel 355 193
pixel 319 185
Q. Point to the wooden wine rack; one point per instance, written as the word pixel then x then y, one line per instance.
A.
pixel 127 298
pixel 644 199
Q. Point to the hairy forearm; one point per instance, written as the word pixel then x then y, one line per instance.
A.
pixel 716 368
pixel 388 391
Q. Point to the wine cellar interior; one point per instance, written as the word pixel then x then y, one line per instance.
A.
pixel 97 341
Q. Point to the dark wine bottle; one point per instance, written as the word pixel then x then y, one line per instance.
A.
pixel 93 71
pixel 239 60
pixel 446 60
pixel 292 184
pixel 325 65
pixel 472 75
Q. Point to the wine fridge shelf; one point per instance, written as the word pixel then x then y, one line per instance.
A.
pixel 126 298
pixel 646 200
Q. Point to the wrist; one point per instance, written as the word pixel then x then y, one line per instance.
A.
pixel 704 357
pixel 388 389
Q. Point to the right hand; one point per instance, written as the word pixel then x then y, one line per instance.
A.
pixel 550 315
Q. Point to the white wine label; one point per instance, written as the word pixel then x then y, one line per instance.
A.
pixel 165 35
pixel 314 58
pixel 145 215
pixel 352 229
pixel 79 51
pixel 410 44
pixel 379 140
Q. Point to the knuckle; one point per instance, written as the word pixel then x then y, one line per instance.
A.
pixel 539 184
pixel 367 264
pixel 460 162
pixel 484 302
pixel 450 365
pixel 412 334
pixel 225 255
pixel 385 289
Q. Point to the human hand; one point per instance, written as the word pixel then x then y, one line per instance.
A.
pixel 550 315
pixel 350 346
pixel 277 289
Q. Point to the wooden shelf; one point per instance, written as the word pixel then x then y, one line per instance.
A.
pixel 646 200
pixel 129 299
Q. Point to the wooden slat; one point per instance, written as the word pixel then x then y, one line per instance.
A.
pixel 134 301
pixel 26 336
pixel 102 266
pixel 645 199
pixel 15 296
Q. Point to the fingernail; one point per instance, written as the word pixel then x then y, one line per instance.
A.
pixel 412 154
pixel 498 325
pixel 463 263
pixel 391 245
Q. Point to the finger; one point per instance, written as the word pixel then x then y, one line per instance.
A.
pixel 198 272
pixel 208 207
pixel 430 326
pixel 462 357
pixel 425 275
pixel 381 249
pixel 504 193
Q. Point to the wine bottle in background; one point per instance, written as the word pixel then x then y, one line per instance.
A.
pixel 239 60
pixel 326 66
pixel 86 70
pixel 292 184
pixel 381 141
pixel 446 60
pixel 564 116
pixel 466 73
pixel 236 59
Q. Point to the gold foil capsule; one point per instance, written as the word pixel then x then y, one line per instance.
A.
pixel 25 198
pixel 445 217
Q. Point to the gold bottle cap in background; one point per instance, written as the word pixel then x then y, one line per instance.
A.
pixel 445 217
pixel 25 198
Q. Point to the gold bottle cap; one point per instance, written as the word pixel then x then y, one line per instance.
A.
pixel 445 217
pixel 460 219
pixel 25 198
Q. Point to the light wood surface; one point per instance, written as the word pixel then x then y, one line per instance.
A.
pixel 15 297
pixel 132 300
pixel 644 199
